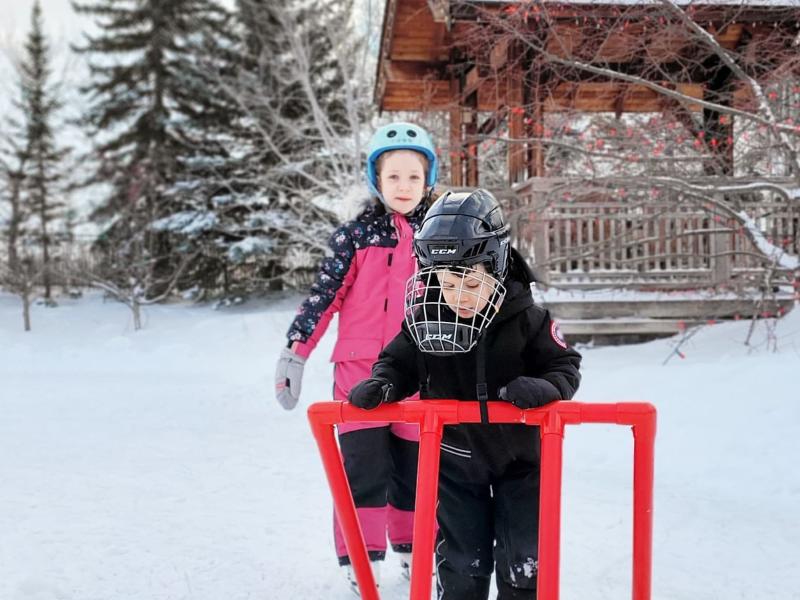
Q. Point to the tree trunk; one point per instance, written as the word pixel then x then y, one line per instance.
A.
pixel 42 192
pixel 136 309
pixel 13 229
pixel 26 306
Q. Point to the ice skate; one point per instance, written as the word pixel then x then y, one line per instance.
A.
pixel 405 564
pixel 351 576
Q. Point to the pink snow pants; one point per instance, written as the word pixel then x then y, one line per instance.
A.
pixel 380 460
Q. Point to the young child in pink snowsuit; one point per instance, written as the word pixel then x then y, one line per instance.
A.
pixel 364 281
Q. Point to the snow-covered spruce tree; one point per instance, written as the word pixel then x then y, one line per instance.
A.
pixel 18 272
pixel 16 266
pixel 29 176
pixel 209 173
pixel 148 110
pixel 299 103
pixel 43 157
pixel 12 164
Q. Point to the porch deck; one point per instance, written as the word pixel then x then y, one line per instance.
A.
pixel 641 260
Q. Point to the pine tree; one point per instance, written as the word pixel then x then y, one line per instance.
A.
pixel 12 169
pixel 248 213
pixel 207 172
pixel 19 274
pixel 224 132
pixel 149 109
pixel 292 139
pixel 42 158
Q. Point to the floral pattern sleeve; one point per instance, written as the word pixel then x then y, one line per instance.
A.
pixel 326 287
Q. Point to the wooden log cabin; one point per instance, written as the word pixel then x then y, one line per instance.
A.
pixel 499 69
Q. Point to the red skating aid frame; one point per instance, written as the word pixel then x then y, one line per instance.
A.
pixel 432 416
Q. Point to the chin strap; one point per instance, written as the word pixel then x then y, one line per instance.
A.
pixel 428 196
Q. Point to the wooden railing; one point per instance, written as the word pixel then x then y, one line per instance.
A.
pixel 648 239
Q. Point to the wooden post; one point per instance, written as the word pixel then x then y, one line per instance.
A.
pixel 456 136
pixel 471 131
pixel 541 235
pixel 721 266
pixel 535 128
pixel 516 122
pixel 718 127
pixel 470 84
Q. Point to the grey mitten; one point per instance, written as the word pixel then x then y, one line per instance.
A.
pixel 288 378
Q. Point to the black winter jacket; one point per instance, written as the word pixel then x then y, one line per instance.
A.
pixel 522 340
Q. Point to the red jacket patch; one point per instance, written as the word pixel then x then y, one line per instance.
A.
pixel 558 337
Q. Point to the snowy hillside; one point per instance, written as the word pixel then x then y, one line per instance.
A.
pixel 157 465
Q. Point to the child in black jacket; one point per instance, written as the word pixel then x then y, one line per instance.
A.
pixel 472 332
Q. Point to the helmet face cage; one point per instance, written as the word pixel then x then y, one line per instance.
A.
pixel 447 308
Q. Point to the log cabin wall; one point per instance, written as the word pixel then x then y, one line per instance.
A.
pixel 459 57
pixel 456 57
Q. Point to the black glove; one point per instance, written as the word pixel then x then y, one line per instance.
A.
pixel 529 392
pixel 371 393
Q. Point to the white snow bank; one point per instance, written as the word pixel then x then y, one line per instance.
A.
pixel 157 464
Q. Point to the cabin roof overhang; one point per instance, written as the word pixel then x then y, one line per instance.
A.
pixel 423 52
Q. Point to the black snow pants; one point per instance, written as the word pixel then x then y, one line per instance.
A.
pixel 486 525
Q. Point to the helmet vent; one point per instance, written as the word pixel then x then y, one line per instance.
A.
pixel 411 133
pixel 391 134
pixel 475 250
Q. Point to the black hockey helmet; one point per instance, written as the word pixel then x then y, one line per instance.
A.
pixel 464 229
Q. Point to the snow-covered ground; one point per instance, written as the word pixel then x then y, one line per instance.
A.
pixel 156 465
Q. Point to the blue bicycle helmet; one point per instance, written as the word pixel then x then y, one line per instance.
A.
pixel 400 136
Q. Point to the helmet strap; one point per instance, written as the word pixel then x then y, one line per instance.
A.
pixel 481 388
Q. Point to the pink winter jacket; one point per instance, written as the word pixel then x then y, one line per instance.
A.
pixel 364 281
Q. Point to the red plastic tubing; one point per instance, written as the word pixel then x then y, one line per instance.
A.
pixel 432 416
